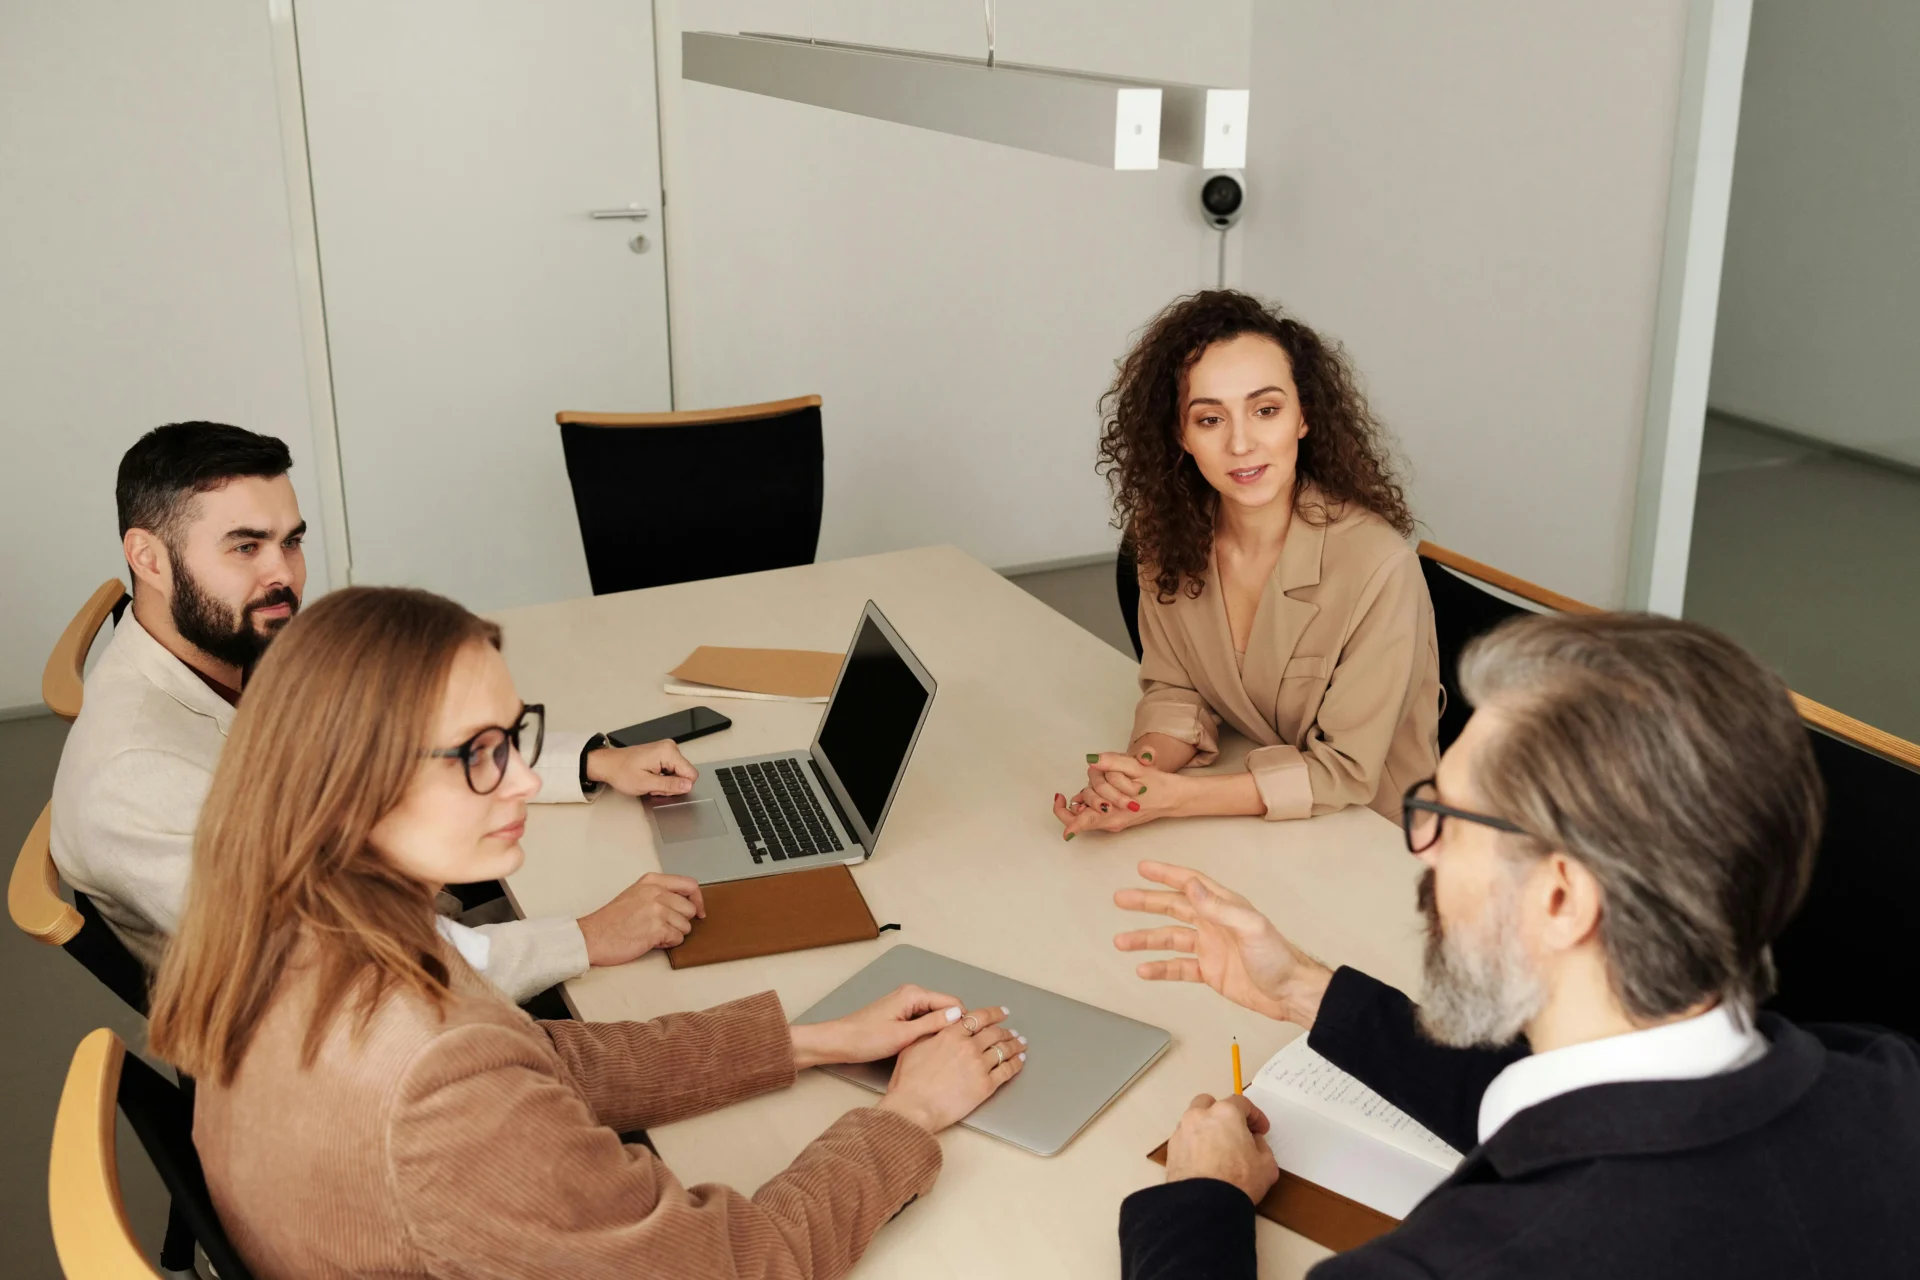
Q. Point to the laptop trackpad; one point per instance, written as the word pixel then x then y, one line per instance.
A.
pixel 689 820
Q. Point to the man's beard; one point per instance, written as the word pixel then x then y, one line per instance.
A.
pixel 1482 991
pixel 213 627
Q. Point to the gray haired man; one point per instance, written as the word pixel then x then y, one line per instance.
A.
pixel 1622 829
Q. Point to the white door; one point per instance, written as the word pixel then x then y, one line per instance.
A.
pixel 459 149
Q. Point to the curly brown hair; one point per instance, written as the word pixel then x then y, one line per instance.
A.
pixel 1163 504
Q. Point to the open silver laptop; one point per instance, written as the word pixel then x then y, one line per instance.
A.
pixel 1081 1058
pixel 762 815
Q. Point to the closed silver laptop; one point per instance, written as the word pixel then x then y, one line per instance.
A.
pixel 763 815
pixel 1080 1058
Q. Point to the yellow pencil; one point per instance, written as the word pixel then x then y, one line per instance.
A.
pixel 1238 1087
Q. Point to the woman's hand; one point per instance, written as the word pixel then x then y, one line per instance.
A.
pixel 880 1030
pixel 650 769
pixel 940 1080
pixel 1231 947
pixel 1122 791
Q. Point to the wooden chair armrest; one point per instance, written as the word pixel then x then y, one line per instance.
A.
pixel 60 682
pixel 33 891
pixel 91 1233
pixel 689 417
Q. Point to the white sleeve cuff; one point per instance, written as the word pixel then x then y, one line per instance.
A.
pixel 525 957
pixel 559 767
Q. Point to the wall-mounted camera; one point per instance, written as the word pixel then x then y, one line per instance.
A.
pixel 1223 197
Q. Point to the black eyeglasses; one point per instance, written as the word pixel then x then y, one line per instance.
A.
pixel 484 756
pixel 1422 815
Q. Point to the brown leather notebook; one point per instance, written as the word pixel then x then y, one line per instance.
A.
pixel 1322 1216
pixel 813 908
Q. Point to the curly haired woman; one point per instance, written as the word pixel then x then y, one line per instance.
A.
pixel 1277 589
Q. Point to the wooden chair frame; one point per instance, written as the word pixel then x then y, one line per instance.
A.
pixel 60 682
pixel 688 417
pixel 33 890
pixel 35 904
pixel 1819 715
pixel 91 1233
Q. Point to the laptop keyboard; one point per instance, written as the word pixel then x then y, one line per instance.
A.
pixel 778 813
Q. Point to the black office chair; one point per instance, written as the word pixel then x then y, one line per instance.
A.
pixel 1463 609
pixel 677 497
pixel 1848 955
pixel 1126 585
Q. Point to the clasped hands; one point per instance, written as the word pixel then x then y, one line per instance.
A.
pixel 1122 791
pixel 1227 944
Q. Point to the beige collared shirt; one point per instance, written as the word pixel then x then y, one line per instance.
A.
pixel 1340 683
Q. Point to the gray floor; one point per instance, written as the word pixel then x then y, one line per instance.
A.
pixel 1085 594
pixel 50 1002
pixel 1812 560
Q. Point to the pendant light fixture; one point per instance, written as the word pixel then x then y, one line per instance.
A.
pixel 1118 122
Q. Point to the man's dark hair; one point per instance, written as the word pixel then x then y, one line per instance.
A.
pixel 166 467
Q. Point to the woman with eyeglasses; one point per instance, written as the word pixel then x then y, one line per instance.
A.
pixel 1277 590
pixel 368 1105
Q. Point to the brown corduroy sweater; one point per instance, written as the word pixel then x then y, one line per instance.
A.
pixel 483 1143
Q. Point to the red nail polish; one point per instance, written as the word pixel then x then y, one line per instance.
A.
pixel 1134 805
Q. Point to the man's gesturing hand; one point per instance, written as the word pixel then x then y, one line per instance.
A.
pixel 1230 946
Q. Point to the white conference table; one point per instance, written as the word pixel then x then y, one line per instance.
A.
pixel 971 864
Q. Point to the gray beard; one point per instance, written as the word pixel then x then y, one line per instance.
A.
pixel 1479 992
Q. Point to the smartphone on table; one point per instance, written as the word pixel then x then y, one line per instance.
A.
pixel 681 726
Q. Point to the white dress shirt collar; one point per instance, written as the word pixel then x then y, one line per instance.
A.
pixel 1707 1044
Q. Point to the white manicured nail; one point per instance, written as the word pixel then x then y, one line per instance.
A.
pixel 953 1015
pixel 1022 1039
pixel 1004 1009
pixel 1023 1057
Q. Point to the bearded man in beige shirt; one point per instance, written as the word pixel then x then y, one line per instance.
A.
pixel 213 534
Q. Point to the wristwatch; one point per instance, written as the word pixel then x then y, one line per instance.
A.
pixel 588 786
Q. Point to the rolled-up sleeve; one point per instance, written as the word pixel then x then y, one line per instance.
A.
pixel 1343 757
pixel 1169 704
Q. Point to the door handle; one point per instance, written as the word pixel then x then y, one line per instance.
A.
pixel 633 211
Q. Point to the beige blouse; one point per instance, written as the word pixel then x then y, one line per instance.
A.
pixel 483 1143
pixel 1340 682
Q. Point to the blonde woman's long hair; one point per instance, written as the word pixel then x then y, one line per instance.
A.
pixel 324 745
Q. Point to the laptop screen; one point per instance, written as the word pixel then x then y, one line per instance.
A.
pixel 870 724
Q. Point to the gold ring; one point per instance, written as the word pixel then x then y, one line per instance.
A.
pixel 973 1024
pixel 1000 1057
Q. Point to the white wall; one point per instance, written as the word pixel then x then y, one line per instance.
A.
pixel 1818 304
pixel 1473 196
pixel 146 276
pixel 958 305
